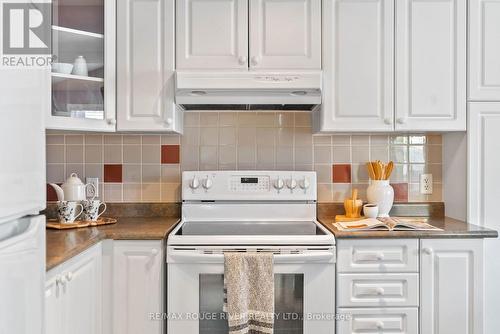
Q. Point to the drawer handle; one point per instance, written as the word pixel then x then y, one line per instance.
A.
pixel 379 291
pixel 374 257
pixel 379 325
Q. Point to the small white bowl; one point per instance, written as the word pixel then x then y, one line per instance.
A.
pixel 370 210
pixel 63 68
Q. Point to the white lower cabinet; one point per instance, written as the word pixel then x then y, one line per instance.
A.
pixel 138 271
pixel 446 289
pixel 451 276
pixel 83 296
pixel 73 295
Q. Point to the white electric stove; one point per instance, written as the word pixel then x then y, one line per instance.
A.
pixel 248 211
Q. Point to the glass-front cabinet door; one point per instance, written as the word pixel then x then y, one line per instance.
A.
pixel 83 66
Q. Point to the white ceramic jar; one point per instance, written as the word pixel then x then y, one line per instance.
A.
pixel 380 192
pixel 80 67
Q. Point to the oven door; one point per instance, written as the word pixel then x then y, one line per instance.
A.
pixel 304 291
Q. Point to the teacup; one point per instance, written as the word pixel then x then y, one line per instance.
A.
pixel 91 209
pixel 66 211
pixel 370 210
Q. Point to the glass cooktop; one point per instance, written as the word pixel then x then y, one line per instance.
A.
pixel 250 228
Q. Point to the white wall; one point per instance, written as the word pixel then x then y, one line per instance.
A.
pixel 455 174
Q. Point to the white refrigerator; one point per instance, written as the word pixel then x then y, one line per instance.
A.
pixel 24 99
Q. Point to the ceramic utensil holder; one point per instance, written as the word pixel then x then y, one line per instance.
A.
pixel 380 192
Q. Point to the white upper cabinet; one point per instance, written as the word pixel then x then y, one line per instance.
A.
pixel 83 72
pixel 451 285
pixel 358 66
pixel 484 50
pixel 212 34
pixel 431 65
pixel 285 34
pixel 145 66
pixel 393 65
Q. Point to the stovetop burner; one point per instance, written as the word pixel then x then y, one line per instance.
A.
pixel 250 228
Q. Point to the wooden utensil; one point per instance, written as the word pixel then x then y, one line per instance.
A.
pixel 371 171
pixel 390 167
pixel 353 205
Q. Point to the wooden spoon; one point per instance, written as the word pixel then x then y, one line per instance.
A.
pixel 390 167
pixel 371 171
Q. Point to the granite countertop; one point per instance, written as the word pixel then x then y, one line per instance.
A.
pixel 64 244
pixel 452 228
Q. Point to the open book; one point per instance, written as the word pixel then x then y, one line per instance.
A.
pixel 387 224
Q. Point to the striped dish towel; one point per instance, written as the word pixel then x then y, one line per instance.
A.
pixel 249 292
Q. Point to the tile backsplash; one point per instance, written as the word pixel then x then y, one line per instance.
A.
pixel 147 167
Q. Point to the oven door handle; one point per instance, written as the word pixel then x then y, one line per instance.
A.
pixel 192 257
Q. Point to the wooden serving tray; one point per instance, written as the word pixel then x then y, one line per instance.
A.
pixel 55 224
pixel 344 218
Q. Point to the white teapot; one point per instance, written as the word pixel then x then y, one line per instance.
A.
pixel 73 189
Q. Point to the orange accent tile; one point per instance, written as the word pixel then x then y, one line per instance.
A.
pixel 113 173
pixel 170 154
pixel 341 173
pixel 400 192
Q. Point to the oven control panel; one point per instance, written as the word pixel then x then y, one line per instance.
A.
pixel 248 185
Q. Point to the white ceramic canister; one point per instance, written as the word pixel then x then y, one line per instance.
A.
pixel 380 192
pixel 80 66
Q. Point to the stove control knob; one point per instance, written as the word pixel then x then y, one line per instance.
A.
pixel 304 183
pixel 291 184
pixel 279 184
pixel 207 183
pixel 195 183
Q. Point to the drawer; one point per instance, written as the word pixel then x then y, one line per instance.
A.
pixel 380 290
pixel 377 255
pixel 377 320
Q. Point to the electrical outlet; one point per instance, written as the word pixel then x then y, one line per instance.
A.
pixel 426 184
pixel 90 190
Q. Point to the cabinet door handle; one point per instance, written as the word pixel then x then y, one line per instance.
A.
pixel 402 120
pixel 379 325
pixel 427 251
pixel 242 60
pixel 255 60
pixel 169 121
pixel 154 252
pixel 62 280
pixel 388 121
pixel 111 121
pixel 69 276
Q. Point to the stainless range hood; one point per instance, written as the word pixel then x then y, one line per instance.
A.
pixel 248 90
